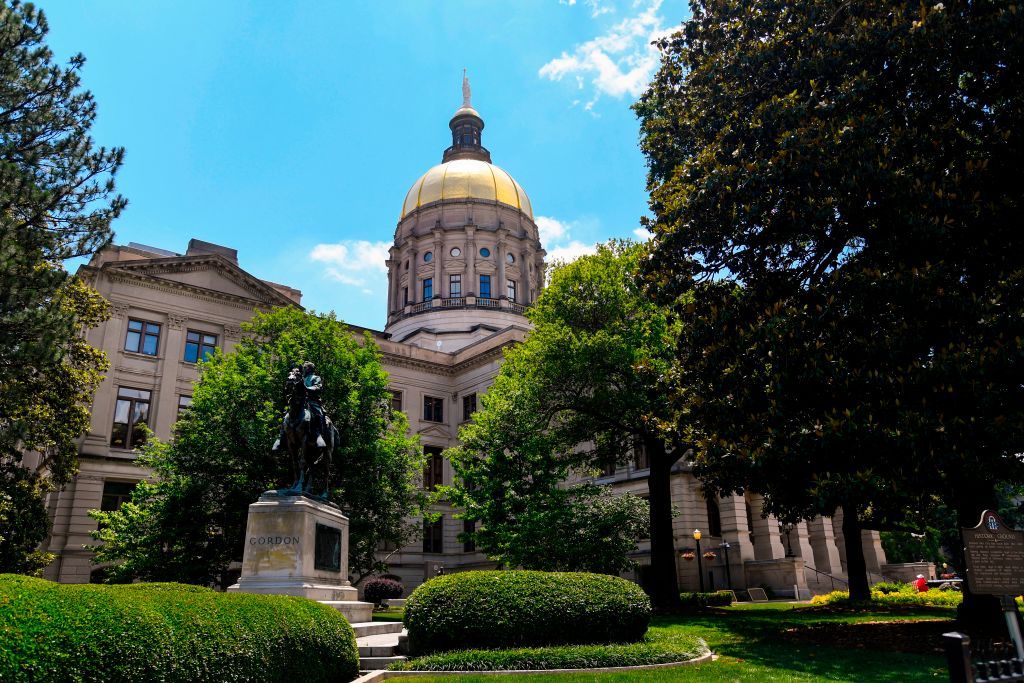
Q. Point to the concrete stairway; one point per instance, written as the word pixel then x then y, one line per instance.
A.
pixel 378 643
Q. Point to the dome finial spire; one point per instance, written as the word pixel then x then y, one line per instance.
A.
pixel 465 90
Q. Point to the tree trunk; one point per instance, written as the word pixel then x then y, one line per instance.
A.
pixel 856 567
pixel 664 587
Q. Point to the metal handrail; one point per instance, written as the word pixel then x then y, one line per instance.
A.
pixel 832 578
pixel 457 302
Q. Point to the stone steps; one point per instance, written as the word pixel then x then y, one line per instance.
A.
pixel 354 611
pixel 378 643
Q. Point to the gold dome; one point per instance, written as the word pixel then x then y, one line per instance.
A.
pixel 466 179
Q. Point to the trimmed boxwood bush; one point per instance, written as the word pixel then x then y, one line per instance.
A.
pixel 716 599
pixel 379 590
pixel 500 609
pixel 166 632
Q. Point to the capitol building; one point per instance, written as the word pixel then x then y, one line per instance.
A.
pixel 465 265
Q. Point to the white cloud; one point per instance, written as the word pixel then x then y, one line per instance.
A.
pixel 620 61
pixel 556 238
pixel 570 252
pixel 355 262
pixel 551 230
pixel 643 234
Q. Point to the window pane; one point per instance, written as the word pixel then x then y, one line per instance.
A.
pixel 210 339
pixel 135 325
pixel 192 337
pixel 131 342
pixel 140 412
pixel 191 352
pixel 119 435
pixel 121 410
pixel 124 392
pixel 152 328
pixel 149 347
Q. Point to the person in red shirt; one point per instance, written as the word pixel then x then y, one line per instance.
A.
pixel 921 584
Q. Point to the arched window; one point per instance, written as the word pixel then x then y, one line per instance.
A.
pixel 714 517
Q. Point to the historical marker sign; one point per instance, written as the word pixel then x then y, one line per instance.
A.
pixel 995 557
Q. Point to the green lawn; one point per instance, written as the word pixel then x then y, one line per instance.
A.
pixel 783 642
pixel 390 614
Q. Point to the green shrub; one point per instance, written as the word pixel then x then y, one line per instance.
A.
pixel 932 598
pixel 379 590
pixel 166 632
pixel 888 587
pixel 502 609
pixel 716 599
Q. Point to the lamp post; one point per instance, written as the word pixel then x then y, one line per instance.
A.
pixel 728 574
pixel 700 566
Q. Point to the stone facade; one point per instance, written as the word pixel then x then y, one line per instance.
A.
pixel 465 265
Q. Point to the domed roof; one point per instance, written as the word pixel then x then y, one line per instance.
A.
pixel 466 179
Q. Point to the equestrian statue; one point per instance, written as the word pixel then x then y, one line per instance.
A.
pixel 308 434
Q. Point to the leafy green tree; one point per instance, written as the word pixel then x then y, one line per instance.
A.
pixel 836 212
pixel 56 202
pixel 584 390
pixel 189 524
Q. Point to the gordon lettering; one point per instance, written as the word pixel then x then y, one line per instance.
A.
pixel 273 540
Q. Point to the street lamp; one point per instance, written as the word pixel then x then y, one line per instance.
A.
pixel 728 574
pixel 700 567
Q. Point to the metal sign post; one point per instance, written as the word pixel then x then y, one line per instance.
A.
pixel 994 554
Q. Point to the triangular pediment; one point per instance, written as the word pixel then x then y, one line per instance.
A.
pixel 434 430
pixel 209 273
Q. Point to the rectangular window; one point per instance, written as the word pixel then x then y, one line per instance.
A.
pixel 199 346
pixel 433 471
pixel 433 409
pixel 433 536
pixel 468 406
pixel 511 290
pixel 142 337
pixel 115 494
pixel 485 286
pixel 405 296
pixel 184 403
pixel 469 545
pixel 396 401
pixel 455 285
pixel 428 289
pixel 131 412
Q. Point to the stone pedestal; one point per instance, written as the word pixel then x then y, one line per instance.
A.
pixel 299 546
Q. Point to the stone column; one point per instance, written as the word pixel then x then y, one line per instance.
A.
pixel 472 286
pixel 874 556
pixel 502 288
pixel 163 413
pixel 438 265
pixel 823 546
pixel 414 283
pixel 393 274
pixel 524 265
pixel 837 530
pixel 733 511
pixel 114 331
pixel 767 540
pixel 232 335
pixel 800 540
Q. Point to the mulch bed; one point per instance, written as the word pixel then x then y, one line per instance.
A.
pixel 917 636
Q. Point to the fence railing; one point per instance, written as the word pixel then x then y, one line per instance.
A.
pixel 1003 666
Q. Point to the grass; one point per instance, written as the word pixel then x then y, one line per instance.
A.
pixel 764 643
pixel 389 614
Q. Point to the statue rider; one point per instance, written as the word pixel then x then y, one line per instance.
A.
pixel 314 387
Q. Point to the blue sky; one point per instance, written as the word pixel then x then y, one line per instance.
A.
pixel 278 127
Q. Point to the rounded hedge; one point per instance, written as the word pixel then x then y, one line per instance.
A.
pixel 501 609
pixel 167 632
pixel 379 590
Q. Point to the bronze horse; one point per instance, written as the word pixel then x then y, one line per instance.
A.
pixel 311 464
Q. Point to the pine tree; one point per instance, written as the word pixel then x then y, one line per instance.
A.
pixel 56 202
